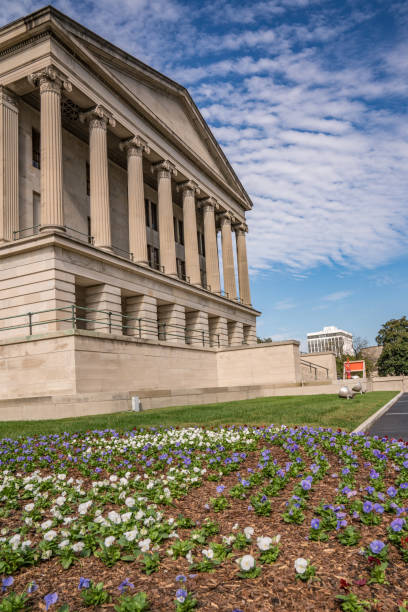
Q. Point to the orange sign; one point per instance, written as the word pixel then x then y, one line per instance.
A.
pixel 353 366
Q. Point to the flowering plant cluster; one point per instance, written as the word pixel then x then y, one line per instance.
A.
pixel 110 498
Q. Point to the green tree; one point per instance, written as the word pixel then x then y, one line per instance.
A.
pixel 393 331
pixel 393 360
pixel 262 340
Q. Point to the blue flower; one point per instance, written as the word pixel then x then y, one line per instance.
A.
pixel 84 583
pixel 397 524
pixel 220 488
pixel 378 508
pixel 315 523
pixel 376 546
pixel 32 587
pixel 124 584
pixel 6 583
pixel 181 595
pixel 391 491
pixel 181 578
pixel 367 507
pixel 306 485
pixel 50 600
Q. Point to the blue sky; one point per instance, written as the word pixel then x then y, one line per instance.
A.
pixel 309 100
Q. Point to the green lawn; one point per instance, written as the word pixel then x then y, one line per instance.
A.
pixel 324 410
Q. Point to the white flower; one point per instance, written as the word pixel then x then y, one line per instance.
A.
pixel 46 525
pixel 228 539
pixel 131 535
pixel 109 541
pixel 14 541
pixel 84 507
pixel 249 532
pixel 130 502
pixel 276 539
pixel 60 501
pixel 189 556
pixel 28 521
pixel 78 547
pixel 126 516
pixel 50 535
pixel 264 543
pixel 26 544
pixel 246 563
pixel 144 545
pixel 29 507
pixel 63 544
pixel 61 476
pixel 301 565
pixel 139 515
pixel 46 554
pixel 235 527
pixel 114 517
pixel 68 520
pixel 208 552
pixel 113 478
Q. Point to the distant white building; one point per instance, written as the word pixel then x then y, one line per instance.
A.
pixel 331 339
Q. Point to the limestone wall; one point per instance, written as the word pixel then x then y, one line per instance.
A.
pixel 260 364
pixel 318 364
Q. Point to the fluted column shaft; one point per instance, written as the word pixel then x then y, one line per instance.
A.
pixel 212 267
pixel 51 83
pixel 228 257
pixel 9 221
pixel 189 189
pixel 243 275
pixel 136 206
pixel 165 170
pixel 99 119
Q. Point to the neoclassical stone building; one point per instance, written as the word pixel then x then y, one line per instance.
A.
pixel 112 191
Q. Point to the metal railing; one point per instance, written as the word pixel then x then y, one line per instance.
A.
pixel 315 368
pixel 78 317
pixel 122 252
pixel 35 229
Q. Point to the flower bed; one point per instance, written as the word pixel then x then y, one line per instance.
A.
pixel 234 518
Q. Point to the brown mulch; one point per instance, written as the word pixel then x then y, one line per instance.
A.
pixel 276 587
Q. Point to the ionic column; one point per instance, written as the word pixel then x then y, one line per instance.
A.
pixel 8 165
pixel 228 257
pixel 212 267
pixel 165 169
pixel 99 119
pixel 135 147
pixel 190 189
pixel 51 83
pixel 243 276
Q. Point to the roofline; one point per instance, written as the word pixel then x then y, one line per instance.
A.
pixel 103 44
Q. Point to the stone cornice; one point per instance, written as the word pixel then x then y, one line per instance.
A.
pixel 240 227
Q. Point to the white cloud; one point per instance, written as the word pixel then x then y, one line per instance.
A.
pixel 287 304
pixel 337 296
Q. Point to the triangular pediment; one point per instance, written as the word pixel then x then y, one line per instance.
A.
pixel 171 111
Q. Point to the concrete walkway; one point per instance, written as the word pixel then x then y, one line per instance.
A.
pixel 394 423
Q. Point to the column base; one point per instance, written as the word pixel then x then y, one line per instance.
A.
pixel 52 228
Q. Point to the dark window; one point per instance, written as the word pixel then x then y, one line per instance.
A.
pixel 175 227
pixel 153 211
pixel 147 213
pixel 153 257
pixel 36 142
pixel 88 179
pixel 180 232
pixel 201 245
pixel 181 268
pixel 89 230
pixel 36 211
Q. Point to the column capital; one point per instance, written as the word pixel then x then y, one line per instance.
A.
pixel 8 98
pixel 209 202
pixel 164 169
pixel 227 217
pixel 189 187
pixel 50 79
pixel 240 227
pixel 134 146
pixel 98 117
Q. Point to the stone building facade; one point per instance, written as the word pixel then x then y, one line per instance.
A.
pixel 113 191
pixel 108 165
